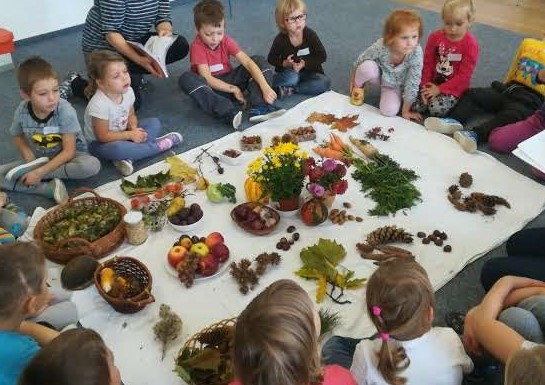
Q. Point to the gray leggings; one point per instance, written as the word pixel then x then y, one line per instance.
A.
pixel 527 318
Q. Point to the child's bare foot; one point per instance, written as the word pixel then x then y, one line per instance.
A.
pixel 357 96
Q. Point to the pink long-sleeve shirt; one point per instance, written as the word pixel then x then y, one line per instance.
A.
pixel 449 64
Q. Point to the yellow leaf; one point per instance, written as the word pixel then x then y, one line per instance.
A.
pixel 321 291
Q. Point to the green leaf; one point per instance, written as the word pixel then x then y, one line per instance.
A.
pixel 145 184
pixel 333 251
pixel 208 359
pixel 309 273
pixel 228 191
pixel 183 374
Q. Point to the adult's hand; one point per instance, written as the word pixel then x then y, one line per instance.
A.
pixel 164 29
pixel 148 64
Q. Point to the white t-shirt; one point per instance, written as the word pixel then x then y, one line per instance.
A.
pixel 438 357
pixel 102 107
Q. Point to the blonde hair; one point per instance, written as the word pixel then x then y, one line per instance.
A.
pixel 399 19
pixel 399 296
pixel 525 366
pixel 97 65
pixel 275 338
pixel 284 8
pixel 22 273
pixel 32 70
pixel 451 5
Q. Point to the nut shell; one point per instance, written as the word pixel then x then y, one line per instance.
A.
pixel 79 272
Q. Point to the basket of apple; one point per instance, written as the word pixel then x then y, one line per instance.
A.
pixel 194 258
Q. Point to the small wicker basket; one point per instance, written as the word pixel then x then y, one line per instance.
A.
pixel 61 252
pixel 132 270
pixel 194 343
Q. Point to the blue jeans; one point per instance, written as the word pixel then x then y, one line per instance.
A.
pixel 339 351
pixel 527 318
pixel 308 83
pixel 125 149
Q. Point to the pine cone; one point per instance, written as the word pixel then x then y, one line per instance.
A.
pixel 465 180
pixel 213 337
pixel 388 234
pixel 452 189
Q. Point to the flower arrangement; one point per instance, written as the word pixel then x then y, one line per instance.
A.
pixel 280 170
pixel 326 177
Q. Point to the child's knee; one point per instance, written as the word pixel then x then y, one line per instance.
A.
pixel 497 142
pixel 189 81
pixel 389 110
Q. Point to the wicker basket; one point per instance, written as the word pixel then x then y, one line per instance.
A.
pixel 130 269
pixel 60 252
pixel 193 343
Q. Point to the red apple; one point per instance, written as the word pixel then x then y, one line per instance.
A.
pixel 200 248
pixel 213 239
pixel 176 254
pixel 208 265
pixel 220 252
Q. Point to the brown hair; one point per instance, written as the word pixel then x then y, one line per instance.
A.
pixel 32 70
pixel 22 273
pixel 525 366
pixel 451 5
pixel 399 19
pixel 208 12
pixel 283 10
pixel 97 65
pixel 399 297
pixel 76 356
pixel 275 338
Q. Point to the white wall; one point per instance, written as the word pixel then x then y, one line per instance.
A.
pixel 28 18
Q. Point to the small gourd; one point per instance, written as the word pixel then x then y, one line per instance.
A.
pixel 254 191
pixel 314 212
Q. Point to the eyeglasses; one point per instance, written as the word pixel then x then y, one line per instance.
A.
pixel 295 19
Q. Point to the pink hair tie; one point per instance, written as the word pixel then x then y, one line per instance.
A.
pixel 376 311
pixel 384 336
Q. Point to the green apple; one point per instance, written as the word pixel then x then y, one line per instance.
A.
pixel 200 248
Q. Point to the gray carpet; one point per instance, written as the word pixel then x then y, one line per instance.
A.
pixel 345 27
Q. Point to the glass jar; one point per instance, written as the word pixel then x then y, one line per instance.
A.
pixel 136 230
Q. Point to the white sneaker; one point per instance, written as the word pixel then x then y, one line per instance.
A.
pixel 467 139
pixel 443 125
pixel 237 120
pixel 15 173
pixel 124 166
pixel 58 190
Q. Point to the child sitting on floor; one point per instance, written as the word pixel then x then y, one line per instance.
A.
pixel 395 63
pixel 450 58
pixel 213 84
pixel 23 294
pixel 48 136
pixel 111 125
pixel 276 341
pixel 297 53
pixel 510 102
pixel 77 356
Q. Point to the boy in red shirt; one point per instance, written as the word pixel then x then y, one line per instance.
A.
pixel 213 84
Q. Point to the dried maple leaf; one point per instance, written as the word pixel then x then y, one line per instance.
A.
pixel 321 117
pixel 346 122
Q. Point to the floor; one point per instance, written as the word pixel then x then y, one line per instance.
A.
pixel 526 18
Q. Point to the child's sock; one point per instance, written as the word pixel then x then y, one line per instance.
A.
pixel 166 142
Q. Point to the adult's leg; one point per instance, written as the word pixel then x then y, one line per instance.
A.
pixel 211 102
pixel 512 111
pixel 506 138
pixel 528 243
pixel 339 351
pixel 313 83
pixel 522 266
pixel 390 101
pixel 476 101
pixel 82 166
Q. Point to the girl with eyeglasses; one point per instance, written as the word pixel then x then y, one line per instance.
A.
pixel 297 53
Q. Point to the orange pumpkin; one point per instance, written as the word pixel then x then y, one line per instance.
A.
pixel 314 212
pixel 254 191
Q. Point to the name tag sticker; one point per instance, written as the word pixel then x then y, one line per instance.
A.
pixel 51 130
pixel 216 67
pixel 303 52
pixel 454 57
